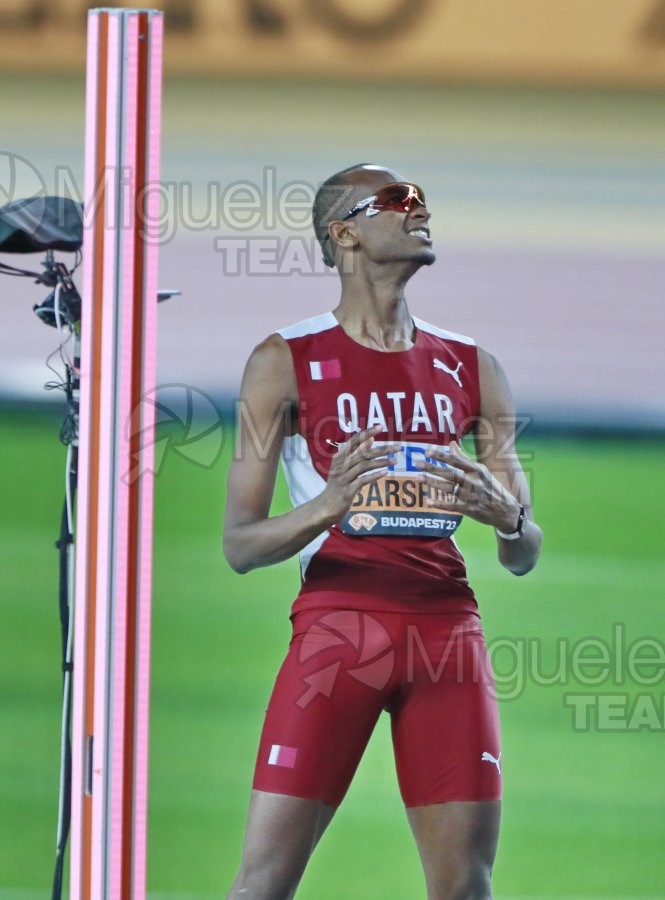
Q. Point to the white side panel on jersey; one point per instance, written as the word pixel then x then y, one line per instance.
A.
pixel 304 483
pixel 440 332
pixel 309 326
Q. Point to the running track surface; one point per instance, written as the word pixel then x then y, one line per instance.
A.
pixel 548 219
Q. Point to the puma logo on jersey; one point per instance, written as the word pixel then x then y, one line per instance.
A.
pixel 495 760
pixel 453 372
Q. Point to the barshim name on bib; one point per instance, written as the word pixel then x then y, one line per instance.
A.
pixel 396 503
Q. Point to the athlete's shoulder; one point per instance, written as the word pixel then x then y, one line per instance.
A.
pixel 490 368
pixel 443 333
pixel 491 374
pixel 270 362
pixel 313 325
pixel 269 380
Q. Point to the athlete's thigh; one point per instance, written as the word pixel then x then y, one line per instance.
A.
pixel 457 843
pixel 320 716
pixel 283 828
pixel 445 724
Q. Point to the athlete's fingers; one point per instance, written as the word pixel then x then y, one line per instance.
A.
pixel 448 501
pixel 441 498
pixel 367 453
pixel 350 452
pixel 359 443
pixel 367 465
pixel 373 451
pixel 445 497
pixel 364 451
pixel 455 456
pixel 366 438
pixel 450 473
pixel 439 488
pixel 368 477
pixel 441 480
pixel 348 466
pixel 360 438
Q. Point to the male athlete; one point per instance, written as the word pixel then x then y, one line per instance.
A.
pixel 366 406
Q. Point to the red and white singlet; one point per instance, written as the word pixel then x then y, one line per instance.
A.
pixel 390 552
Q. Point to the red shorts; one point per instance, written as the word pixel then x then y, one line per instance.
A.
pixel 430 672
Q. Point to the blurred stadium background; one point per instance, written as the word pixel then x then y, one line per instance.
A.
pixel 537 129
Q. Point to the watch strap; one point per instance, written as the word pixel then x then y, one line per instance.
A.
pixel 519 530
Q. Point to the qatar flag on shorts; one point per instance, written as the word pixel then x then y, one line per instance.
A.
pixel 282 756
pixel 324 369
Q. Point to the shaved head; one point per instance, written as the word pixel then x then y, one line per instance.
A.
pixel 337 195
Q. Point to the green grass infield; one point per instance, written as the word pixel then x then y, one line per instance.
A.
pixel 583 740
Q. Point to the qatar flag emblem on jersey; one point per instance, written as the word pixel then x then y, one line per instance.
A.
pixel 324 369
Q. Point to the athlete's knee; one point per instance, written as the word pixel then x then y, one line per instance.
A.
pixel 267 878
pixel 471 880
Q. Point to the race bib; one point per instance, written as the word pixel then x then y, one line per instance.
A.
pixel 396 503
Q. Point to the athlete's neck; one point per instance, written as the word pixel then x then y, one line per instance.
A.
pixel 376 319
pixel 372 309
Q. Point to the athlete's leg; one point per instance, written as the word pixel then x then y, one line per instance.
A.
pixel 457 844
pixel 319 719
pixel 281 834
pixel 448 753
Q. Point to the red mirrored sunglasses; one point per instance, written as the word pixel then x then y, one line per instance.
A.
pixel 397 197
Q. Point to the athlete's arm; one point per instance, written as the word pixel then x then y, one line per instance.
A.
pixel 267 412
pixel 492 487
pixel 495 449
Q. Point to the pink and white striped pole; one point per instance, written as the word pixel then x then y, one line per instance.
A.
pixel 114 511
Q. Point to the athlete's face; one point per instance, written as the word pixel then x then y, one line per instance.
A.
pixel 390 236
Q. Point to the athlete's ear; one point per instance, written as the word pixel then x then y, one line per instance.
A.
pixel 342 234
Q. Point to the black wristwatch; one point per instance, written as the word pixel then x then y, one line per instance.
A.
pixel 519 530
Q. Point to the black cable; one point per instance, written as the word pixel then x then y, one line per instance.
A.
pixel 12 270
pixel 65 543
pixel 64 817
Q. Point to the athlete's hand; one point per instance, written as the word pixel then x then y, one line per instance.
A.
pixel 468 487
pixel 357 462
